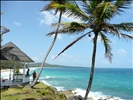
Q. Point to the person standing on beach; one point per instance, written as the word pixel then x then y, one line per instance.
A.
pixel 34 75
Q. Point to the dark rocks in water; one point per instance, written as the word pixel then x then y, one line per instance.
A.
pixel 79 97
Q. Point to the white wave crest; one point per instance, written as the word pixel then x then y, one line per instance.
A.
pixel 94 95
pixel 45 82
pixel 59 88
pixel 47 77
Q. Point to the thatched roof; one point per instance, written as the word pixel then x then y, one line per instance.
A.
pixel 10 51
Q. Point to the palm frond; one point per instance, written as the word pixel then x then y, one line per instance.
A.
pixel 71 10
pixel 87 7
pixel 108 49
pixel 110 28
pixel 73 2
pixel 54 6
pixel 75 12
pixel 114 29
pixel 71 44
pixel 70 28
pixel 125 26
pixel 60 1
pixel 90 6
pixel 121 5
pixel 104 11
pixel 126 36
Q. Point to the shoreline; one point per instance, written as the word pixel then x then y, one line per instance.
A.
pixel 71 93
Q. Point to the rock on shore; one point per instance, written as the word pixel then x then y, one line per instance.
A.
pixel 72 96
pixel 68 93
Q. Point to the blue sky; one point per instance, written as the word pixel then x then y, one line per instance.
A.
pixel 28 28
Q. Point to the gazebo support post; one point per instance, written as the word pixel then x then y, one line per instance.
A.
pixel 10 78
pixel 28 64
pixel 14 72
pixel 24 73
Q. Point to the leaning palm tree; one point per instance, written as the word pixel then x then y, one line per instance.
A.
pixel 57 6
pixel 96 15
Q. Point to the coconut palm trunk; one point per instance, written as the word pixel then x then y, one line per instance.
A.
pixel 92 66
pixel 50 48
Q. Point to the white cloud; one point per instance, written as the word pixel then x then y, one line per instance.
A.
pixel 48 18
pixel 122 52
pixel 17 23
pixel 65 18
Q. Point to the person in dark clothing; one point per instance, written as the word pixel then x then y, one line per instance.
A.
pixel 34 75
pixel 27 73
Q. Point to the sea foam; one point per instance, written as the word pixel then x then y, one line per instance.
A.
pixel 94 95
pixel 45 82
pixel 79 91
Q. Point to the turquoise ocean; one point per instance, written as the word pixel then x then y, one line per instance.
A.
pixel 116 82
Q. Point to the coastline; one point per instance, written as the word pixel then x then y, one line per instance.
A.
pixel 70 93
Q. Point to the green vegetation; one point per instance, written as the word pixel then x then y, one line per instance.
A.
pixel 10 64
pixel 47 65
pixel 40 91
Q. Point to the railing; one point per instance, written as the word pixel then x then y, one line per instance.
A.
pixel 18 77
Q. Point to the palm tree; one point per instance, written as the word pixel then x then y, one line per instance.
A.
pixel 96 16
pixel 3 29
pixel 57 6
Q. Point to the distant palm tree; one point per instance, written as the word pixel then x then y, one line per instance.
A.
pixel 95 15
pixel 53 5
pixel 3 29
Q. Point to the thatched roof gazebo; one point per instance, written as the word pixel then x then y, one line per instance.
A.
pixel 10 52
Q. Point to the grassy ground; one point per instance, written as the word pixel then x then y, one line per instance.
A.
pixel 39 92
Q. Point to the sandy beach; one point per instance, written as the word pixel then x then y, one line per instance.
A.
pixel 5 70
